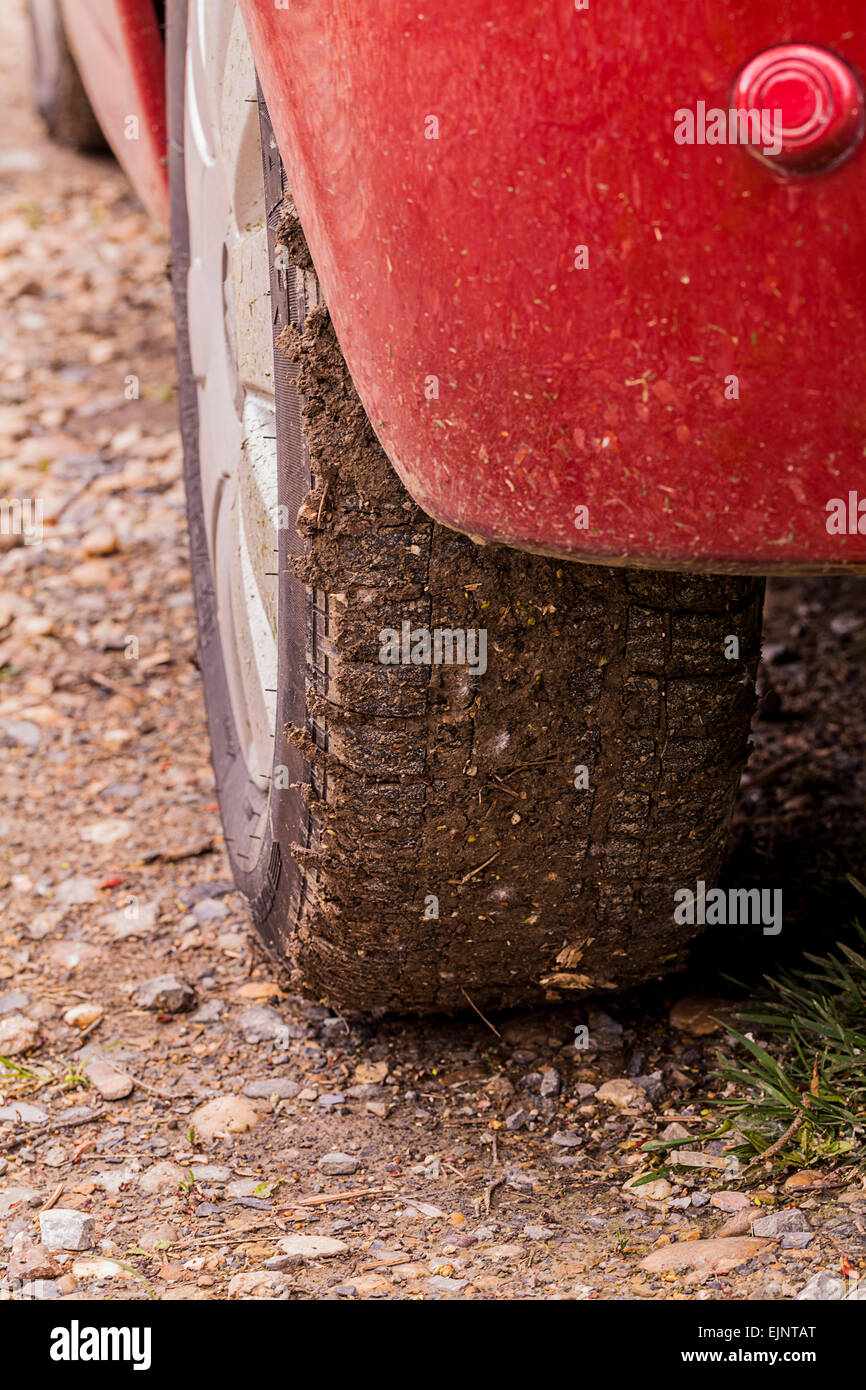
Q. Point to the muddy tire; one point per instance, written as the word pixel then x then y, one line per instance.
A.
pixel 59 94
pixel 426 840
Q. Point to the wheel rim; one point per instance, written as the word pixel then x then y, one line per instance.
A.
pixel 231 351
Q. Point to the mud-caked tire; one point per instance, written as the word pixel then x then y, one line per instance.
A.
pixel 435 836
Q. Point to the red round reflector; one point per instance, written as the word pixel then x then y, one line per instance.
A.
pixel 820 100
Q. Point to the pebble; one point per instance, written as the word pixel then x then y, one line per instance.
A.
pixel 518 1119
pixel 223 1115
pixel 656 1191
pixel 261 1283
pixel 779 1223
pixel 210 1012
pixel 730 1201
pixel 102 540
pixel 97 1267
pixel 21 732
pixel 216 1173
pixel 620 1092
pixel 538 1232
pixel 31 1262
pixel 796 1240
pixel 551 1082
pixel 39 1290
pixel 567 1139
pixel 313 1247
pixel 82 1015
pixel 332 1100
pixel 109 1081
pixel 337 1164
pixel 20 1112
pixel 823 1287
pixel 73 892
pixel 713 1256
pixel 209 910
pixel 169 994
pixel 696 1015
pixel 14 1002
pixel 263 1024
pixel 17 1034
pixel 162 1177
pixel 270 1086
pixel 63 1228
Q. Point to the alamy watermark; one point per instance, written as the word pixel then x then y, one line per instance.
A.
pixel 442 647
pixel 22 516
pixel 732 907
pixel 734 127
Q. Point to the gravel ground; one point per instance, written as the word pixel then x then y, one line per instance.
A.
pixel 171 1125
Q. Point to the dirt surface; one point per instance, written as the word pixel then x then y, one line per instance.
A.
pixel 434 1159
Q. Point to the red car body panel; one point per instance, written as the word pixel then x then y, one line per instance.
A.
pixel 453 259
pixel 448 160
pixel 119 52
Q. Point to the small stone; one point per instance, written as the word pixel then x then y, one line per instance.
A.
pixel 730 1201
pixel 158 1237
pixel 14 1002
pixel 73 892
pixel 162 1177
pixel 620 1092
pixel 224 1115
pixel 271 1086
pixel 244 1187
pixel 40 1290
pixel 209 910
pixel 211 1012
pixel 97 1267
pixel 796 1240
pixel 697 1015
pixel 740 1224
pixel 655 1191
pixel 499 1088
pixel 102 540
pixel 263 1024
pixel 22 733
pixel 780 1223
pixel 712 1256
pixel 675 1131
pixel 168 994
pixel 18 1034
pixel 211 1173
pixel 567 1139
pixel 806 1177
pixel 63 1228
pixel 312 1247
pixel 518 1119
pixel 823 1287
pixel 33 1262
pixel 538 1232
pixel 379 1108
pixel 261 1283
pixel 370 1073
pixel 82 1015
pixel 21 1113
pixel 337 1164
pixel 109 1081
pixel 332 1100
pixel 15 1199
pixel 551 1082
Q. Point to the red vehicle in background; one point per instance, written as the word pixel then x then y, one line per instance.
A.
pixel 515 343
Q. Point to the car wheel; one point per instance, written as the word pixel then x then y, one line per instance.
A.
pixel 60 96
pixel 415 837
